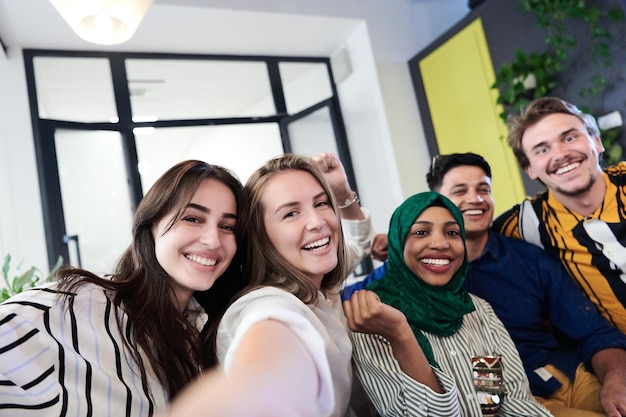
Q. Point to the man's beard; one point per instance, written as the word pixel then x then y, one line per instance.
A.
pixel 579 191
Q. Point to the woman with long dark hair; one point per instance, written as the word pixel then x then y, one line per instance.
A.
pixel 124 344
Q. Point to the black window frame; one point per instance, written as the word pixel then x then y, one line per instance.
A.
pixel 44 129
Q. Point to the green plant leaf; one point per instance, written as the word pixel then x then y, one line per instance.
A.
pixel 5 266
pixel 24 280
pixel 18 282
pixel 614 154
pixel 616 14
pixel 4 295
pixel 55 268
pixel 555 16
pixel 5 270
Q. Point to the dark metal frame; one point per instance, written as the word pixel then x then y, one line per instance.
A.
pixel 43 129
pixel 4 46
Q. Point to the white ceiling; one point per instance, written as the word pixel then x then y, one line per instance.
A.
pixel 398 28
pixel 36 24
pixel 234 27
pixel 187 30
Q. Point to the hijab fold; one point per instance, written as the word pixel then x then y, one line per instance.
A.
pixel 434 309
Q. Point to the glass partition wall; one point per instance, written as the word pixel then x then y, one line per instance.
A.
pixel 107 125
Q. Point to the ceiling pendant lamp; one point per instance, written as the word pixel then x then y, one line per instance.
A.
pixel 105 22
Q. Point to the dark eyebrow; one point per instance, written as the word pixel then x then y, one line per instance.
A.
pixel 465 185
pixel 198 207
pixel 422 222
pixel 207 211
pixel 450 223
pixel 561 135
pixel 568 131
pixel 539 145
pixel 461 185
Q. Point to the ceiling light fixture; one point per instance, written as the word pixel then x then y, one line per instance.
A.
pixel 105 22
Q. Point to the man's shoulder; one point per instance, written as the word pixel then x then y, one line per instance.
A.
pixel 509 222
pixel 537 198
pixel 619 167
pixel 521 247
pixel 617 173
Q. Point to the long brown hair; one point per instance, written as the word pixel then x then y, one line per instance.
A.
pixel 175 350
pixel 267 267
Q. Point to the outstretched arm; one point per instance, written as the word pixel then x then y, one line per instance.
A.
pixel 272 373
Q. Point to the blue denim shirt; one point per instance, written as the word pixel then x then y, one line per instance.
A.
pixel 549 318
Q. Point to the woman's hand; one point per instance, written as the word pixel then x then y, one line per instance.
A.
pixel 367 314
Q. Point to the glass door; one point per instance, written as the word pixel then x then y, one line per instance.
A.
pixel 97 205
pixel 240 148
pixel 107 125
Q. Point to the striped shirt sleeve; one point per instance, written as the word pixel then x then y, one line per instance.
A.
pixel 67 357
pixel 27 376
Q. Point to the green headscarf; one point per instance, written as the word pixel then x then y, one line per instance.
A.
pixel 435 309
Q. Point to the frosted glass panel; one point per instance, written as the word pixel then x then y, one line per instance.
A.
pixel 75 89
pixel 96 200
pixel 240 148
pixel 313 134
pixel 304 84
pixel 165 89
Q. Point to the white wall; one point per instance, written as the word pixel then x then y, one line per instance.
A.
pixel 409 142
pixel 21 223
pixel 382 119
pixel 368 133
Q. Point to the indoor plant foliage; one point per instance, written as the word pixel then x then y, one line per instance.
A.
pixel 515 94
pixel 19 281
pixel 557 17
pixel 612 148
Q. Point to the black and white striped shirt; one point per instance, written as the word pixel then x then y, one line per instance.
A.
pixel 482 333
pixel 62 358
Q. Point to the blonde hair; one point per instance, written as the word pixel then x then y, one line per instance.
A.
pixel 266 266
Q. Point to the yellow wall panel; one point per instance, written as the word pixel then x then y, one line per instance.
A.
pixel 457 80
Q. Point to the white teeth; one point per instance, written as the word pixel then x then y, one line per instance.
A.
pixel 472 212
pixel 567 168
pixel 201 261
pixel 435 261
pixel 317 244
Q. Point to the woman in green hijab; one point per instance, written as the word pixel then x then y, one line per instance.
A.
pixel 423 346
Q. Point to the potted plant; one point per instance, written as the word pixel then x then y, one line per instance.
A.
pixel 18 281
